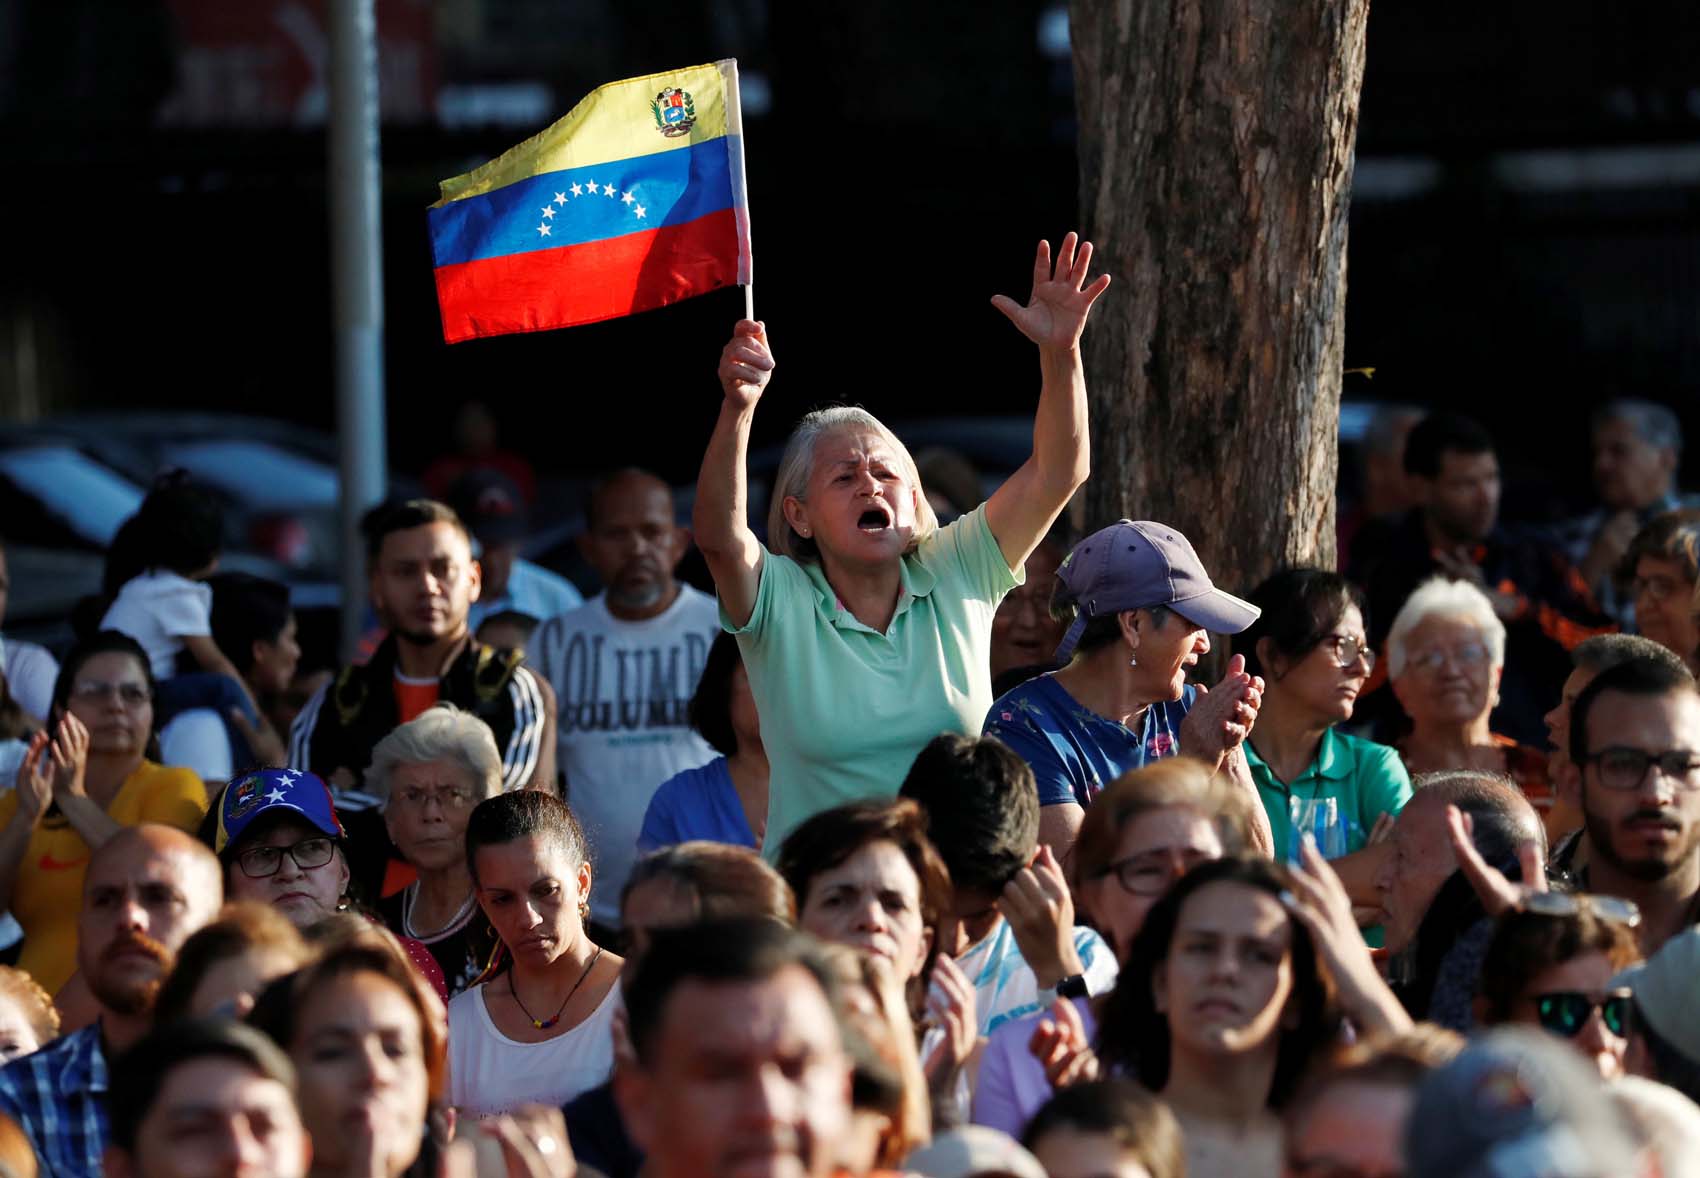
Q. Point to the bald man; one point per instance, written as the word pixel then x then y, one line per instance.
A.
pixel 624 667
pixel 147 888
pixel 1432 913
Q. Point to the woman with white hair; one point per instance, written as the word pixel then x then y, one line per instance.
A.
pixel 1445 655
pixel 429 774
pixel 866 627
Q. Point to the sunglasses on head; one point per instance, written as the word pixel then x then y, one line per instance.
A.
pixel 1611 908
pixel 1565 1012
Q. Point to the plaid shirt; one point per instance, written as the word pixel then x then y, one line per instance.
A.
pixel 58 1097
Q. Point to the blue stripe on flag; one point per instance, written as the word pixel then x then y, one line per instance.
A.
pixel 669 187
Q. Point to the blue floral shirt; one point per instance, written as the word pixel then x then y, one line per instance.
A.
pixel 1074 751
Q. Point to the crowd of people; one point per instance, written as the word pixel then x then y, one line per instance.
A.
pixel 915 848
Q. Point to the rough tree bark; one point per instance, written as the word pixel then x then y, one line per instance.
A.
pixel 1216 148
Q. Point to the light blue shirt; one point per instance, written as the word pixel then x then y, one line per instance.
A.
pixel 532 590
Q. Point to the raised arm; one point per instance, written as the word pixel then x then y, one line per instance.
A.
pixel 1023 509
pixel 720 520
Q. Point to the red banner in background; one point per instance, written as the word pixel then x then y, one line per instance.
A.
pixel 264 63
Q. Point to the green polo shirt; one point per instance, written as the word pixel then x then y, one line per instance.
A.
pixel 844 708
pixel 1366 779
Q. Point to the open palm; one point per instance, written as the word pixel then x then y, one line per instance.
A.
pixel 1056 311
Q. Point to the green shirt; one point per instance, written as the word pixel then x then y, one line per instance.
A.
pixel 844 708
pixel 1366 779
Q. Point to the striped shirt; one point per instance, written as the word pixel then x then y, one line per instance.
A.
pixel 1004 985
pixel 58 1098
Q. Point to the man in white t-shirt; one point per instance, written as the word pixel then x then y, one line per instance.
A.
pixel 624 666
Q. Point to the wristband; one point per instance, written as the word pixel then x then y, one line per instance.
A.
pixel 1073 986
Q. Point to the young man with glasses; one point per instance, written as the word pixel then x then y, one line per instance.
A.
pixel 1635 746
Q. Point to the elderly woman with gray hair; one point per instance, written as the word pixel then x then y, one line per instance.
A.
pixel 1445 655
pixel 429 773
pixel 865 626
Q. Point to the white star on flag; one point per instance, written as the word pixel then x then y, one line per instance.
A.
pixel 543 229
pixel 548 212
pixel 560 198
pixel 638 210
pixel 277 795
pixel 590 187
pixel 608 189
pixel 627 197
pixel 578 190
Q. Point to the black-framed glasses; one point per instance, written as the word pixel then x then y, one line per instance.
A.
pixel 1612 908
pixel 1346 650
pixel 261 862
pixel 1626 768
pixel 1152 873
pixel 1566 1012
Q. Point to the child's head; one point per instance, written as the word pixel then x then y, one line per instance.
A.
pixel 179 527
pixel 507 629
pixel 983 816
pixel 1112 1127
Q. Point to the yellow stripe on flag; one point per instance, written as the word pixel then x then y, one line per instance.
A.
pixel 614 122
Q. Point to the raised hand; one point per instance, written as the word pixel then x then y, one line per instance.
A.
pixel 1056 311
pixel 1318 900
pixel 1222 716
pixel 1040 912
pixel 746 364
pixel 1060 1045
pixel 35 779
pixel 1497 893
pixel 951 1008
pixel 70 748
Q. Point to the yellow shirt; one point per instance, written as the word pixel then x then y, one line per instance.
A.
pixel 49 889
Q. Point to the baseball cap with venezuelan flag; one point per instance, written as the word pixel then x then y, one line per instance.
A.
pixel 270 792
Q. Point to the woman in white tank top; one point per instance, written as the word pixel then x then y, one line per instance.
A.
pixel 539 1030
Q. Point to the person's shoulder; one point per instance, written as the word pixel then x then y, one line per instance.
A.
pixel 153 776
pixel 1027 704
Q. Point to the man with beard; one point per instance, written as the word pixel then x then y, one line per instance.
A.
pixel 1455 531
pixel 624 667
pixel 423 582
pixel 148 887
pixel 1635 743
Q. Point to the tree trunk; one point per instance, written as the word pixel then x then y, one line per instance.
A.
pixel 1216 146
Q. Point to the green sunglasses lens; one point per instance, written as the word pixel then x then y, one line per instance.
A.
pixel 1615 1012
pixel 1564 1014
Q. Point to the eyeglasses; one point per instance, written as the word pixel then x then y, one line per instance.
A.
pixel 1151 873
pixel 1566 1012
pixel 1626 768
pixel 1347 650
pixel 261 862
pixel 1658 588
pixel 1467 657
pixel 1611 908
pixel 449 797
pixel 92 691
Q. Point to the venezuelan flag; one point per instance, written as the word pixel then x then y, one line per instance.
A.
pixel 632 201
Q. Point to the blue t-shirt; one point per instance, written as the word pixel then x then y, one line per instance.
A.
pixel 1076 752
pixel 700 803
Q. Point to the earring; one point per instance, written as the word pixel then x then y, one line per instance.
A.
pixel 1133 662
pixel 583 911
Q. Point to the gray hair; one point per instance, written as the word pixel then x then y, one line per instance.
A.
pixel 1656 424
pixel 1501 818
pixel 798 464
pixel 1443 597
pixel 440 733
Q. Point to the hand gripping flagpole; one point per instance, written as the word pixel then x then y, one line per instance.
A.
pixel 740 189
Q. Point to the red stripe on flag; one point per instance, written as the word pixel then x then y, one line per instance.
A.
pixel 586 283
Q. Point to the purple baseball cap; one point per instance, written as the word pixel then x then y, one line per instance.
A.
pixel 1136 564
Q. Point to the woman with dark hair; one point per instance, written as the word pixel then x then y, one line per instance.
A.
pixel 1553 965
pixel 1224 1005
pixel 1311 646
pixel 85 777
pixel 1662 571
pixel 865 875
pixel 724 801
pixel 538 1032
pixel 367 1040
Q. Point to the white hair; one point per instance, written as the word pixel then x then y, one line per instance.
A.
pixel 1442 597
pixel 798 465
pixel 440 733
